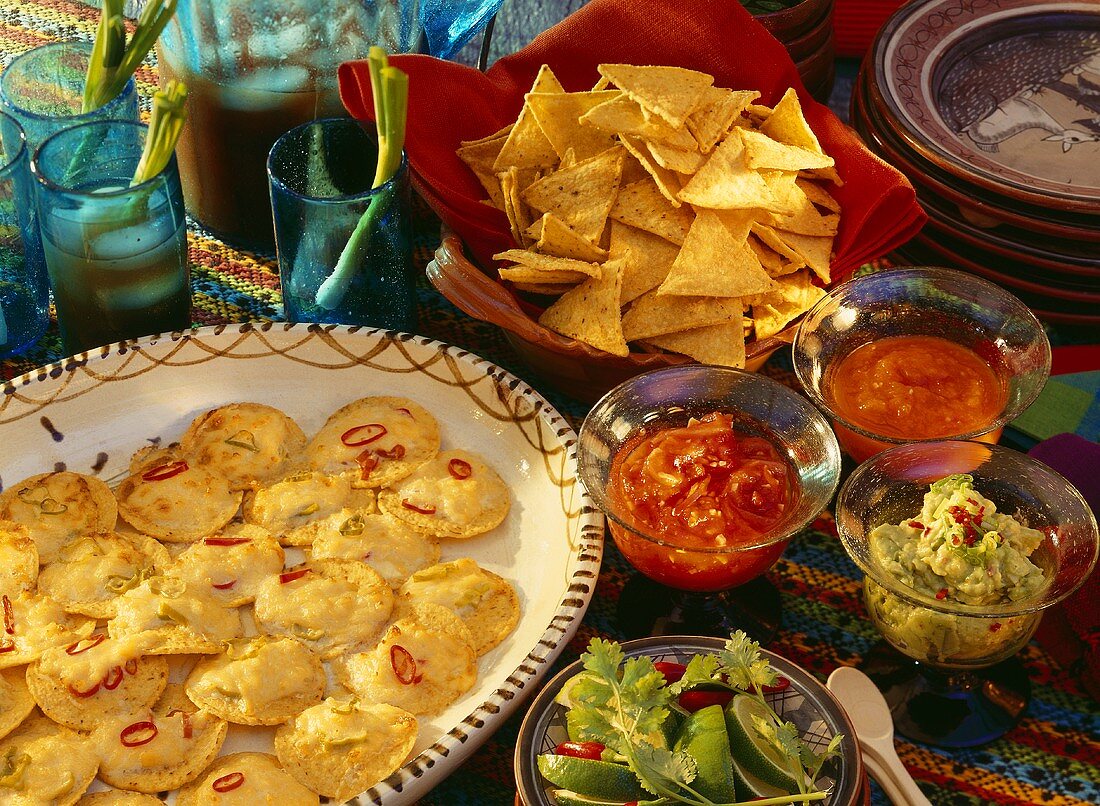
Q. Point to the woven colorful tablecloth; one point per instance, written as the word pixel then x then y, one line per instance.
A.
pixel 1051 757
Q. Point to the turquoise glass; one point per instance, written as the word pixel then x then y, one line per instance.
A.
pixel 116 254
pixel 43 89
pixel 24 294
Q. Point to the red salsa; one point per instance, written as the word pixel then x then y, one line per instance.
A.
pixel 702 485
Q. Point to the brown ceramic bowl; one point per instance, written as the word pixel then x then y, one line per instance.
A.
pixel 796 21
pixel 572 367
pixel 818 69
pixel 807 44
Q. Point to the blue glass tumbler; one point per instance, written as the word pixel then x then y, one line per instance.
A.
pixel 24 293
pixel 321 174
pixel 43 89
pixel 116 254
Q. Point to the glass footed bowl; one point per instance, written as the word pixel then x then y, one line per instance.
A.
pixel 890 488
pixel 759 407
pixel 910 301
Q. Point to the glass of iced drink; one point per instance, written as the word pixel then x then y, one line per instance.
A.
pixel 116 254
pixel 43 89
pixel 321 175
pixel 24 294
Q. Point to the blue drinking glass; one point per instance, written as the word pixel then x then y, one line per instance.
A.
pixel 24 294
pixel 321 175
pixel 43 89
pixel 116 254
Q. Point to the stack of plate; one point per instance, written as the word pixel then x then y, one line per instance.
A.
pixel 992 109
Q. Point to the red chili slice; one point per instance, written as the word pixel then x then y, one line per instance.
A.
pixel 227 783
pixel 9 616
pixel 224 586
pixel 459 469
pixel 290 576
pixel 82 694
pixel 404 665
pixel 226 541
pixel 692 701
pixel 94 641
pixel 672 671
pixel 137 734
pixel 590 750
pixel 186 721
pixel 162 472
pixel 375 431
pixel 367 462
pixel 916 524
pixel 396 452
pixel 7 647
pixel 941 593
pixel 781 684
pixel 406 412
pixel 113 678
pixel 428 510
pixel 131 666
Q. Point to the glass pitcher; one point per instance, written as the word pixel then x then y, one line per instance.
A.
pixel 255 69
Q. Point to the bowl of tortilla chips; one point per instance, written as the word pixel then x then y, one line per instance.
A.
pixel 657 218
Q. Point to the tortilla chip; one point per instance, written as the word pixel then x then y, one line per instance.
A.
pixel 642 205
pixel 558 114
pixel 480 156
pixel 722 344
pixel 646 259
pixel 763 153
pixel 818 195
pixel 775 241
pixel 716 113
pixel 679 160
pixel 526 274
pixel 726 182
pixel 622 116
pixel 793 296
pixel 787 124
pixel 816 251
pixel 713 263
pixel 590 312
pixel 512 183
pixel 527 146
pixel 759 111
pixel 556 238
pixel 774 263
pixel 501 134
pixel 803 218
pixel 633 171
pixel 671 93
pixel 668 182
pixel 546 289
pixel 568 159
pixel 828 174
pixel 534 260
pixel 582 194
pixel 652 315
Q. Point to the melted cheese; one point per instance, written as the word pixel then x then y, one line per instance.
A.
pixel 278 669
pixel 168 748
pixel 458 585
pixel 59 762
pixel 245 565
pixel 141 609
pixel 386 544
pixel 41 623
pixel 314 602
pixel 84 568
pixel 265 784
pixel 84 669
pixel 460 501
pixel 290 504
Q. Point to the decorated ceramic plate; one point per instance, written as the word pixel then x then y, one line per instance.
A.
pixel 1007 91
pixel 806 703
pixel 91 412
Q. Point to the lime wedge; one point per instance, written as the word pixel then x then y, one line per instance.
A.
pixel 703 736
pixel 598 780
pixel 760 759
pixel 563 697
pixel 750 787
pixel 564 797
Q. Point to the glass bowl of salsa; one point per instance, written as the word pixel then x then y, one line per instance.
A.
pixel 705 473
pixel 963 545
pixel 918 354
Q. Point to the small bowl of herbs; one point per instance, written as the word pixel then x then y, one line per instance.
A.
pixel 686 720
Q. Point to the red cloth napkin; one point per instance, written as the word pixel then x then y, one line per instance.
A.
pixel 856 22
pixel 449 103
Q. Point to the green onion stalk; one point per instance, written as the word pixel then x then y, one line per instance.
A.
pixel 390 90
pixel 114 60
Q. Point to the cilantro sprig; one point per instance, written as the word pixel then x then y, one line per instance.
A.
pixel 624 703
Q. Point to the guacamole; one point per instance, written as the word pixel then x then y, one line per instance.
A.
pixel 960 550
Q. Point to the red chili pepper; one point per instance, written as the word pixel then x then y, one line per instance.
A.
pixel 290 576
pixel 781 684
pixel 94 641
pixel 227 783
pixel 996 625
pixel 131 666
pixel 396 452
pixel 9 616
pixel 162 472
pixel 428 510
pixel 7 647
pixel 692 701
pixel 406 412
pixel 186 721
pixel 672 671
pixel 404 665
pixel 941 593
pixel 226 541
pixel 916 524
pixel 113 678
pixel 137 734
pixel 367 462
pixel 590 750
pixel 375 431
pixel 459 469
pixel 224 586
pixel 82 694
